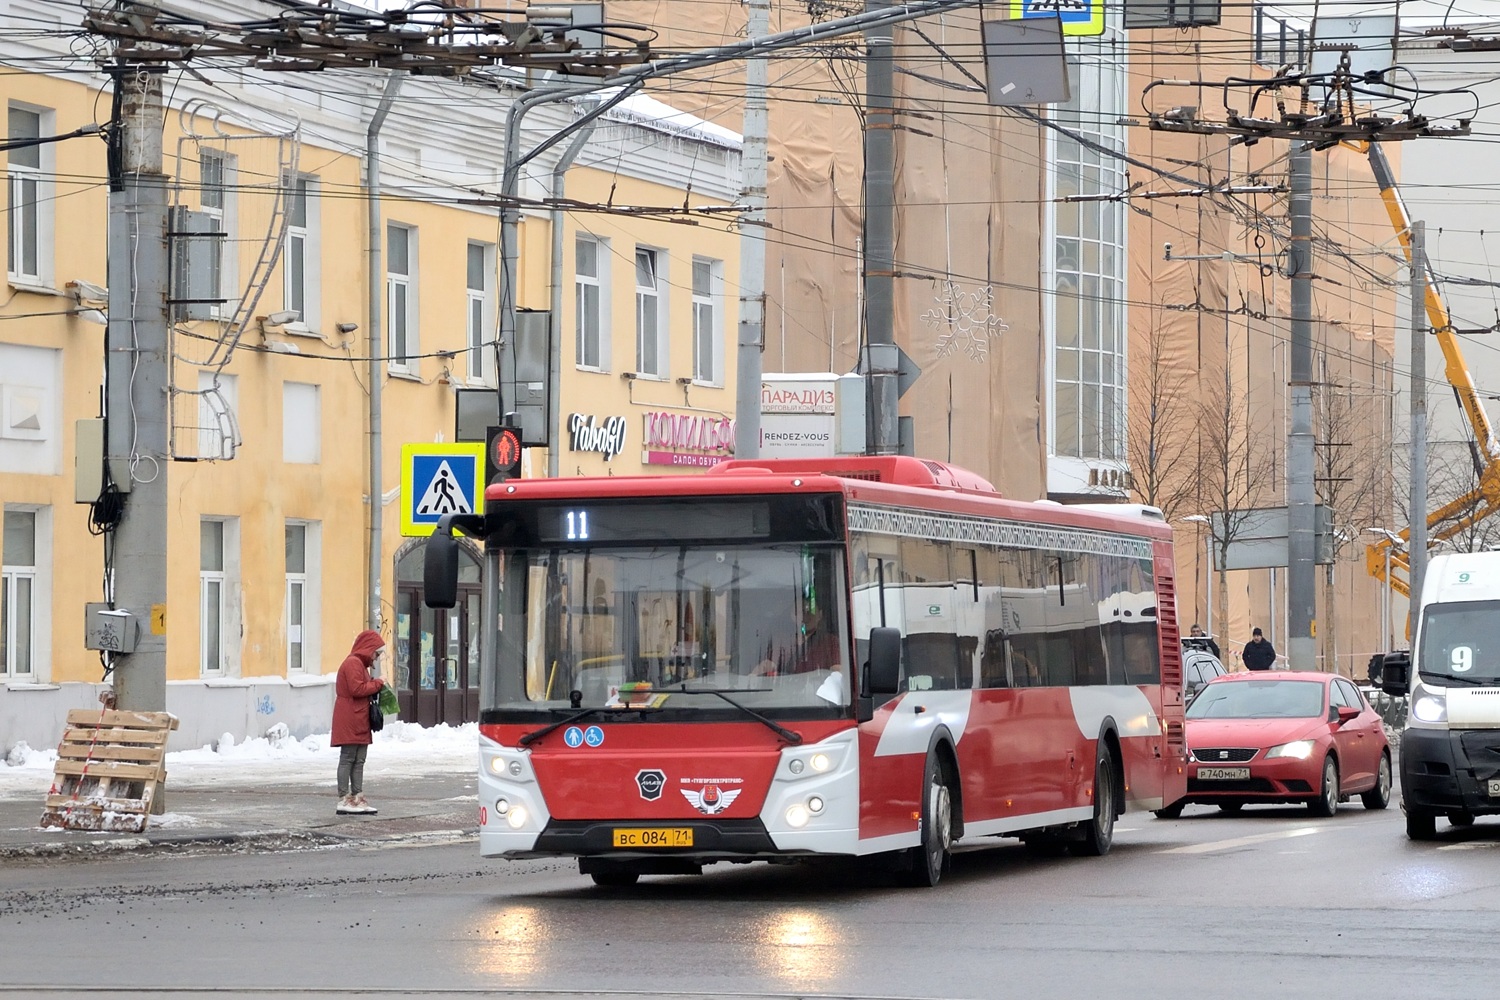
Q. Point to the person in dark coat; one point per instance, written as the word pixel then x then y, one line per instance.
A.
pixel 1202 640
pixel 1258 654
pixel 358 681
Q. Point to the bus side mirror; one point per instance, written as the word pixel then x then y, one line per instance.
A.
pixel 440 566
pixel 1395 673
pixel 885 661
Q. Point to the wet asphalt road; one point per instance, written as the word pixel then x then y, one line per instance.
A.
pixel 1269 903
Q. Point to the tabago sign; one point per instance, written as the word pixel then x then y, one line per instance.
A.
pixel 438 479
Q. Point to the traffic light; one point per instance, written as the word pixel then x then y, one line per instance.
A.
pixel 502 453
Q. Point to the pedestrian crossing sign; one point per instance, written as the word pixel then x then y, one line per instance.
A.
pixel 1079 17
pixel 438 479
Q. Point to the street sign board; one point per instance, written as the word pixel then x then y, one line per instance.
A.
pixel 1078 17
pixel 438 479
pixel 1258 537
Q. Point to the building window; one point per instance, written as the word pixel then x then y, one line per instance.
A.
pixel 481 312
pixel 302 596
pixel 18 595
pixel 400 301
pixel 588 284
pixel 301 269
pixel 28 204
pixel 650 356
pixel 213 581
pixel 214 185
pixel 1089 263
pixel 301 424
pixel 707 328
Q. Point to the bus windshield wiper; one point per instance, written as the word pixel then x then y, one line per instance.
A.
pixel 791 737
pixel 532 737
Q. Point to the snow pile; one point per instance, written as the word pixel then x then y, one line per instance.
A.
pixel 402 748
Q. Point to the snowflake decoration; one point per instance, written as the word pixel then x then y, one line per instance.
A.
pixel 967 319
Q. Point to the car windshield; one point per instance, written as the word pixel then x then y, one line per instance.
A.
pixel 661 628
pixel 1267 699
pixel 1461 642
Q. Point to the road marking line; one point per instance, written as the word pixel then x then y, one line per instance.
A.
pixel 1473 845
pixel 1225 845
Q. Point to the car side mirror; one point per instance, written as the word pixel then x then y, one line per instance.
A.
pixel 1346 714
pixel 885 661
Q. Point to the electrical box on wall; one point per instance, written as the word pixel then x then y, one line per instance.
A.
pixel 113 631
pixel 88 459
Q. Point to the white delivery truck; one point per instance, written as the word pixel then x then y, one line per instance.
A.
pixel 1450 749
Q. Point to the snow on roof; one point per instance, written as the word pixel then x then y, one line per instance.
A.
pixel 649 112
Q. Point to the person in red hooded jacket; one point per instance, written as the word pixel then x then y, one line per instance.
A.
pixel 357 682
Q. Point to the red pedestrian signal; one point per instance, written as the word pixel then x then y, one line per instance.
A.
pixel 502 454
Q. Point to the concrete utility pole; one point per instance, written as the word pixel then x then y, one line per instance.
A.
pixel 881 358
pixel 376 347
pixel 138 383
pixel 752 325
pixel 1301 499
pixel 1416 554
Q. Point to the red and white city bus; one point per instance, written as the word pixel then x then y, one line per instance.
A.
pixel 790 659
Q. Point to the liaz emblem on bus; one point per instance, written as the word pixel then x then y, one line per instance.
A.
pixel 650 783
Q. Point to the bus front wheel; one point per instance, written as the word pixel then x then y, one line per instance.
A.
pixel 930 860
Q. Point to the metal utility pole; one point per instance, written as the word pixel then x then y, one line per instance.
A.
pixel 1301 499
pixel 752 325
pixel 376 292
pixel 881 358
pixel 1416 553
pixel 138 382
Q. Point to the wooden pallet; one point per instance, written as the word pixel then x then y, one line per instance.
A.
pixel 110 767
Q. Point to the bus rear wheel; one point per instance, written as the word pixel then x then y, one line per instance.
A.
pixel 1099 834
pixel 931 859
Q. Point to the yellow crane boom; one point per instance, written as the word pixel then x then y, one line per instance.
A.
pixel 1484 500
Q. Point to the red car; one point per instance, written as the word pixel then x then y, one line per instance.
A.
pixel 1284 736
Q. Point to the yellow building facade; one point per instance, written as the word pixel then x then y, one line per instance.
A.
pixel 269 473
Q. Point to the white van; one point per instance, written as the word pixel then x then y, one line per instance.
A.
pixel 1450 749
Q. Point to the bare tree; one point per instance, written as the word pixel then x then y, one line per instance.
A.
pixel 1234 460
pixel 1347 467
pixel 1162 452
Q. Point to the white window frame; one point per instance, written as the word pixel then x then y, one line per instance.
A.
pixel 308 582
pixel 582 282
pixel 216 199
pixel 304 247
pixel 18 177
pixel 220 587
pixel 708 322
pixel 37 578
pixel 644 335
pixel 400 358
pixel 479 316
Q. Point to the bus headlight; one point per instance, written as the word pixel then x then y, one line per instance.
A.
pixel 1431 707
pixel 820 762
pixel 501 807
pixel 797 816
pixel 815 804
pixel 516 817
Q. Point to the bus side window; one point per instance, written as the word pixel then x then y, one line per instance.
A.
pixel 993 672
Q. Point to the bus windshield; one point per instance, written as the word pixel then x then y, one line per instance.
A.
pixel 660 628
pixel 1461 643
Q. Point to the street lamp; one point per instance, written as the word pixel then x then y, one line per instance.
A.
pixel 1385 607
pixel 1208 583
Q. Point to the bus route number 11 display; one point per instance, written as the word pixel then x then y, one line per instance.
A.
pixel 578 525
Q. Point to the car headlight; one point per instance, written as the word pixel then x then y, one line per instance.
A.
pixel 1297 749
pixel 1431 707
